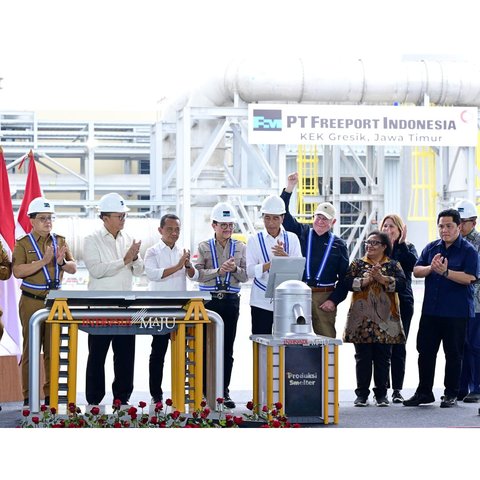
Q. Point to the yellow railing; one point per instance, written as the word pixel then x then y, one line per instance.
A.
pixel 307 166
pixel 423 194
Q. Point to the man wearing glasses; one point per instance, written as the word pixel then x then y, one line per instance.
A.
pixel 221 269
pixel 112 258
pixel 449 266
pixel 470 378
pixel 40 259
pixel 326 260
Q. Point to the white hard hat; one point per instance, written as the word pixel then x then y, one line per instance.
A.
pixel 222 212
pixel 112 202
pixel 327 210
pixel 40 205
pixel 466 209
pixel 273 205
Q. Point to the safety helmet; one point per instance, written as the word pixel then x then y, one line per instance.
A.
pixel 222 212
pixel 466 209
pixel 40 205
pixel 112 202
pixel 273 205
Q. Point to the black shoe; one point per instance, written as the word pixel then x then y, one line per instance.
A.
pixel 471 398
pixel 448 402
pixel 397 397
pixel 47 400
pixel 26 402
pixel 382 401
pixel 419 399
pixel 228 402
pixel 361 402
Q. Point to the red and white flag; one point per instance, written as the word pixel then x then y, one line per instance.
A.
pixel 32 190
pixel 11 343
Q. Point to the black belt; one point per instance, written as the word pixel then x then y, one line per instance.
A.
pixel 31 295
pixel 222 295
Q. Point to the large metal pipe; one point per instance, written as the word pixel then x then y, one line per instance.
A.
pixel 214 354
pixel 347 81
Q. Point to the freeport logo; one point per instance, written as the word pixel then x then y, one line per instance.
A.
pixel 267 120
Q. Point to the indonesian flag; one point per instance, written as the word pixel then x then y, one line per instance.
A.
pixel 32 190
pixel 11 343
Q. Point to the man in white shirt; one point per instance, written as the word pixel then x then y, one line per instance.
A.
pixel 274 240
pixel 167 267
pixel 112 258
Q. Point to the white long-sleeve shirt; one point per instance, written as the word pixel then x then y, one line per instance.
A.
pixel 103 256
pixel 256 260
pixel 158 258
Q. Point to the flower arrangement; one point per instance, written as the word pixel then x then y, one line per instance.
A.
pixel 168 417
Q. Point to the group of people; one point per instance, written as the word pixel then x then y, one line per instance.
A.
pixel 378 320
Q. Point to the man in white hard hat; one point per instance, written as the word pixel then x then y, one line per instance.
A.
pixel 112 258
pixel 167 267
pixel 326 260
pixel 40 259
pixel 470 376
pixel 273 240
pixel 221 269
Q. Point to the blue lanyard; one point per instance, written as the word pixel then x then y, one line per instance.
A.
pixel 44 268
pixel 218 280
pixel 263 247
pixel 324 259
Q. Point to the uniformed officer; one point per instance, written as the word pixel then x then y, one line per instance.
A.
pixel 5 273
pixel 222 267
pixel 40 259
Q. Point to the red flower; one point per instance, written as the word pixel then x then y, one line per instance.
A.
pixel 296 425
pixel 133 416
pixel 95 411
pixel 276 424
pixel 154 420
pixel 203 403
pixel 220 400
pixel 238 420
pixel 158 406
pixel 274 412
pixel 72 408
pixel 53 410
pixel 250 405
pixel 265 409
pixel 117 425
pixel 26 412
pixel 126 424
pixel 132 411
pixel 278 405
pixel 81 423
pixel 35 420
pixel 169 402
pixel 43 408
pixel 117 403
pixel 142 404
pixel 175 414
pixel 228 416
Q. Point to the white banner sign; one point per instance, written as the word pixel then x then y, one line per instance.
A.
pixel 362 125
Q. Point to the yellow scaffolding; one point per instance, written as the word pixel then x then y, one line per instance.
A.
pixel 307 166
pixel 423 194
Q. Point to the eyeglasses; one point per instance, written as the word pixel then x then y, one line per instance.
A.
pixel 226 226
pixel 372 243
pixel 45 219
pixel 120 216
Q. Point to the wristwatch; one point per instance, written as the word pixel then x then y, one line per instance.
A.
pixel 445 273
pixel 63 263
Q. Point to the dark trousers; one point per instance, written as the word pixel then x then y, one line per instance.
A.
pixel 228 308
pixel 262 321
pixel 372 357
pixel 123 366
pixel 470 376
pixel 155 364
pixel 431 332
pixel 399 351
